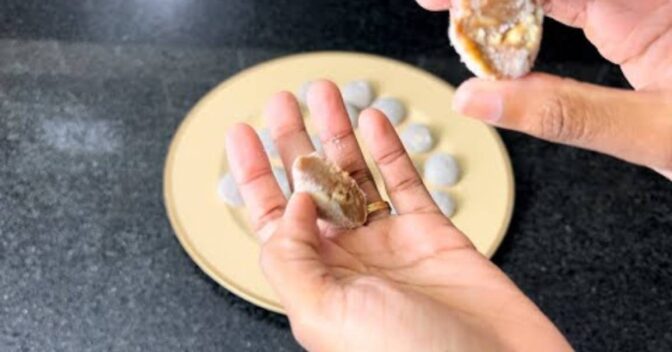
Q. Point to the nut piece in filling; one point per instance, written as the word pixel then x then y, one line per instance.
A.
pixel 497 38
pixel 338 198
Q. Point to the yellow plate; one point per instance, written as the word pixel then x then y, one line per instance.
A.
pixel 218 238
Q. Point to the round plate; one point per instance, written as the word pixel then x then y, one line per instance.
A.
pixel 218 237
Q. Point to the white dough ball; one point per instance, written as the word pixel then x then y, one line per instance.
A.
pixel 442 169
pixel 228 191
pixel 302 93
pixel 353 114
pixel 393 109
pixel 358 93
pixel 317 143
pixel 267 141
pixel 283 181
pixel 417 138
pixel 445 202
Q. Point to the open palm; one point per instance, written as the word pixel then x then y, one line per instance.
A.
pixel 399 283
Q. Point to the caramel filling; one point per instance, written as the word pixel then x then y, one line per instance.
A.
pixel 337 184
pixel 498 25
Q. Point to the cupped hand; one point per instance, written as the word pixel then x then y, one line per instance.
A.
pixel 633 125
pixel 408 282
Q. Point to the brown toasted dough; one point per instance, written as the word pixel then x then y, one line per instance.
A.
pixel 337 196
pixel 497 38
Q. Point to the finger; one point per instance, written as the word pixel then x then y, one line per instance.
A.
pixel 666 173
pixel 252 172
pixel 435 5
pixel 291 259
pixel 569 12
pixel 635 126
pixel 338 138
pixel 283 117
pixel 404 186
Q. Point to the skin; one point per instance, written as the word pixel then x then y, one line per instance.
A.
pixel 411 282
pixel 634 125
pixel 414 282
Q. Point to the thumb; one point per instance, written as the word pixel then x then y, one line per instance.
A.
pixel 633 125
pixel 291 258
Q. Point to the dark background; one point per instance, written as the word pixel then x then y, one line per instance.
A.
pixel 92 91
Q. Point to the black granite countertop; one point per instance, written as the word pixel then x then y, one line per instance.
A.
pixel 91 92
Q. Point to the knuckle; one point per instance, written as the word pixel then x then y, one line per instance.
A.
pixel 406 184
pixel 273 211
pixel 253 174
pixel 288 132
pixel 361 175
pixel 391 156
pixel 558 119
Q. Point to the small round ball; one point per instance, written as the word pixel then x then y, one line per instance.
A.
pixel 442 169
pixel 228 191
pixel 358 93
pixel 393 109
pixel 445 202
pixel 302 93
pixel 267 141
pixel 283 181
pixel 317 143
pixel 353 114
pixel 417 138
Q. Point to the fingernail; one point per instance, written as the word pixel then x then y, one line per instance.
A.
pixel 482 104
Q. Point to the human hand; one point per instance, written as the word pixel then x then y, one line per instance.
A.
pixel 410 282
pixel 633 125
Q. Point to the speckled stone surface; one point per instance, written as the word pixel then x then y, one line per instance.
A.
pixel 92 91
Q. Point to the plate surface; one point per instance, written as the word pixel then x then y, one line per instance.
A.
pixel 218 237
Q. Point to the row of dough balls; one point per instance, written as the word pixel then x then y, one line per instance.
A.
pixel 358 95
pixel 440 169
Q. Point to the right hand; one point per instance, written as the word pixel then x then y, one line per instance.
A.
pixel 633 125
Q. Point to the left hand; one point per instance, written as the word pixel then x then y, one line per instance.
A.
pixel 632 125
pixel 410 282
